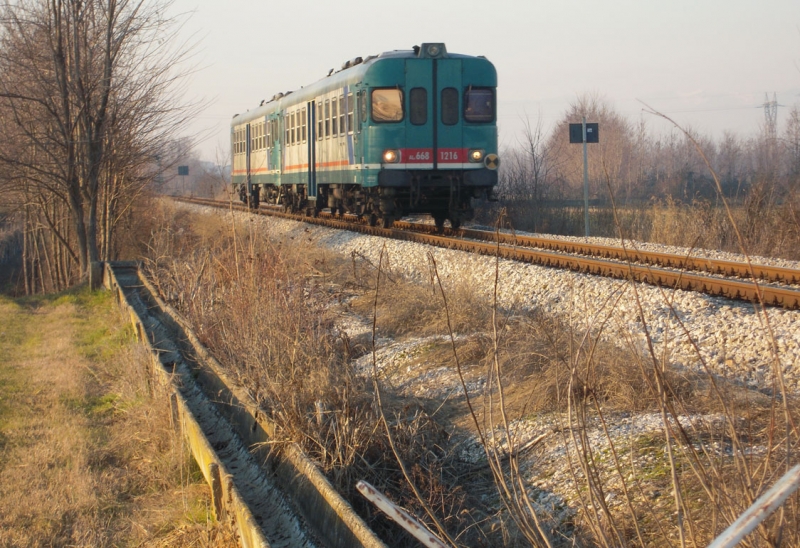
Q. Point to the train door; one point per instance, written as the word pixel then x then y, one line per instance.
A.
pixel 420 127
pixel 311 118
pixel 248 150
pixel 449 153
pixel 433 126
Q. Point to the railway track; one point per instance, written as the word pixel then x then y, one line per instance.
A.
pixel 730 279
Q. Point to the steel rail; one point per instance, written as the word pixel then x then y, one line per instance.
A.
pixel 589 259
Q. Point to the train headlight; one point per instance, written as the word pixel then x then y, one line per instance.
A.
pixel 391 156
pixel 475 155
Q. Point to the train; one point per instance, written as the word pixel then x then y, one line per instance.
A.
pixel 400 133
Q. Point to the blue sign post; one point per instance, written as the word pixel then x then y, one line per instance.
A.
pixel 585 133
pixel 183 171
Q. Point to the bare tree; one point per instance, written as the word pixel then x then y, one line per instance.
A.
pixel 89 90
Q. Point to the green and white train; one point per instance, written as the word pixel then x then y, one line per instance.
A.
pixel 394 134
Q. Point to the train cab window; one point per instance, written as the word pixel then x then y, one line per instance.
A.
pixel 479 105
pixel 418 106
pixel 350 110
pixel 320 122
pixel 342 129
pixel 449 106
pixel 387 105
pixel 327 118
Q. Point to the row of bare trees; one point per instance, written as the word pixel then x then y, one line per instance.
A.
pixel 90 100
pixel 633 164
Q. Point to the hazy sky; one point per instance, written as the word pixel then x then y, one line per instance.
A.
pixel 707 63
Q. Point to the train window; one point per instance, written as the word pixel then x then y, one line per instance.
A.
pixel 350 111
pixel 342 129
pixel 294 128
pixel 418 106
pixel 479 105
pixel 286 129
pixel 268 138
pixel 334 118
pixel 327 118
pixel 303 124
pixel 387 105
pixel 363 103
pixel 320 121
pixel 449 106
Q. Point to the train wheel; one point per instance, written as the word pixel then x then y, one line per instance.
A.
pixel 387 221
pixel 455 224
pixel 439 222
pixel 373 219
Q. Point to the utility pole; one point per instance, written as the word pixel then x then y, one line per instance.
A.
pixel 771 115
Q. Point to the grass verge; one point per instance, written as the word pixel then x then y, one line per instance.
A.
pixel 87 456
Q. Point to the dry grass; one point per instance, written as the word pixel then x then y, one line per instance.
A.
pixel 265 309
pixel 88 456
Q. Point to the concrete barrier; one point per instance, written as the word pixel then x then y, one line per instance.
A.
pixel 331 518
pixel 227 501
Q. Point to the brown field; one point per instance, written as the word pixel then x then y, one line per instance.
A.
pixel 87 456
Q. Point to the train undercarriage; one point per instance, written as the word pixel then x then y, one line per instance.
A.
pixel 445 198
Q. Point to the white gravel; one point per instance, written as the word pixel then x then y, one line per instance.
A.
pixel 732 337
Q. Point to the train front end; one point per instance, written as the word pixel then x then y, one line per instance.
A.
pixel 431 139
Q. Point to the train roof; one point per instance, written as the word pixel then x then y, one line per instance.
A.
pixel 351 71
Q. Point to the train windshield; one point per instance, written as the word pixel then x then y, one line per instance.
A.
pixel 479 105
pixel 387 105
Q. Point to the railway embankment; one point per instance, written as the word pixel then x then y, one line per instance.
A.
pixel 619 394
